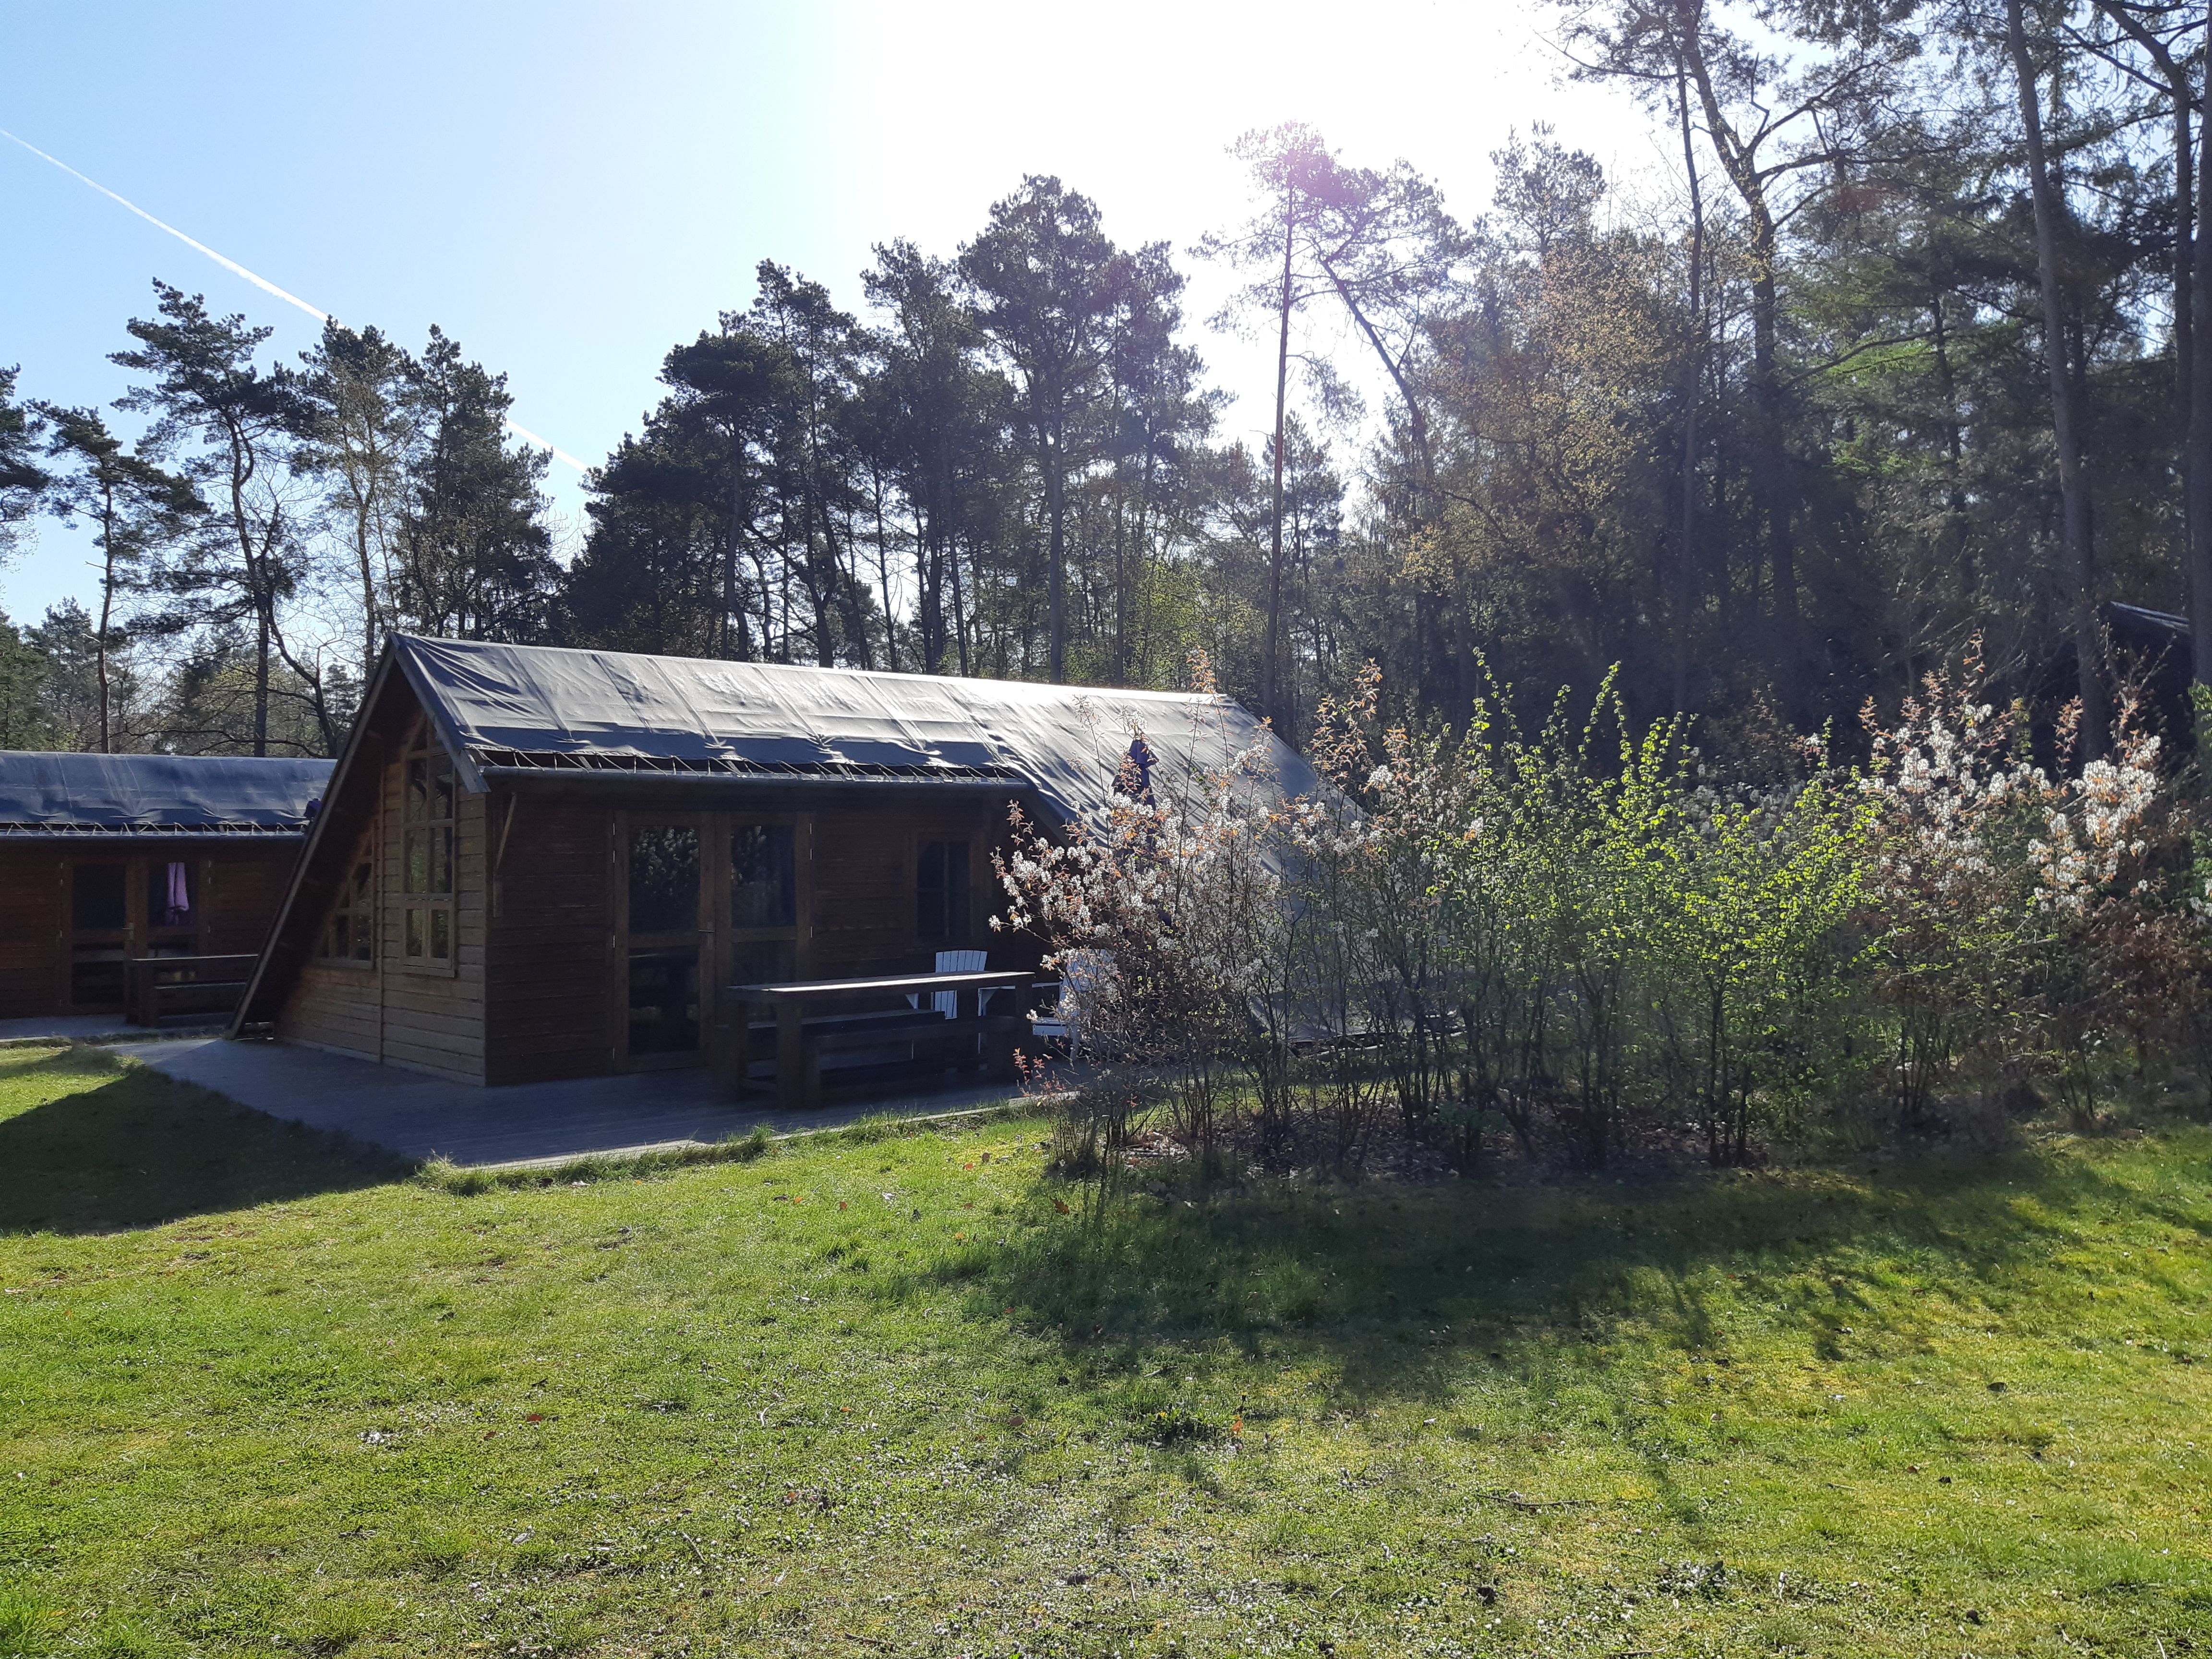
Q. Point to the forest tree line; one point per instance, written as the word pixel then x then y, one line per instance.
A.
pixel 1910 354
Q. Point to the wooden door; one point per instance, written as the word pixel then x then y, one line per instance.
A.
pixel 100 934
pixel 662 939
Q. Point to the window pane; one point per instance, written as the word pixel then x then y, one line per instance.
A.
pixel 929 891
pixel 170 886
pixel 763 875
pixel 441 786
pixel 415 934
pixel 664 1001
pixel 956 892
pixel 364 940
pixel 429 861
pixel 442 935
pixel 97 901
pixel 417 792
pixel 941 892
pixel 664 878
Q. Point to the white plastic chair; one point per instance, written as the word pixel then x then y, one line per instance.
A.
pixel 947 1003
pixel 1081 974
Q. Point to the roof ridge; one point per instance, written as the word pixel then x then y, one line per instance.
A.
pixel 811 668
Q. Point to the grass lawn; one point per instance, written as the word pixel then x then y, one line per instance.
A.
pixel 262 1395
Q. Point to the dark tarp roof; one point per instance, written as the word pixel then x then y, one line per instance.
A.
pixel 602 711
pixel 50 794
pixel 2134 625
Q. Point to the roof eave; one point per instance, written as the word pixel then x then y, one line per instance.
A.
pixel 155 832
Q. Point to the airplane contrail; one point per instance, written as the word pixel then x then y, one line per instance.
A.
pixel 261 283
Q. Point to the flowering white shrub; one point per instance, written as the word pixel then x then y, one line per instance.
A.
pixel 1177 896
pixel 1581 938
pixel 1996 885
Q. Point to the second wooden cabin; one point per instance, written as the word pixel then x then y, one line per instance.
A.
pixel 536 864
pixel 108 862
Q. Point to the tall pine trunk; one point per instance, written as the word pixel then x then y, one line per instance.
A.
pixel 1269 669
pixel 261 679
pixel 361 538
pixel 258 585
pixel 2198 442
pixel 2188 196
pixel 2065 413
pixel 1773 482
pixel 1770 482
pixel 1686 566
pixel 99 641
pixel 1055 490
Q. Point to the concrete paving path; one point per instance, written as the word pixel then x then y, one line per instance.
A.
pixel 419 1116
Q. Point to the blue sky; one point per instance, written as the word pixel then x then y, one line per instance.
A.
pixel 568 190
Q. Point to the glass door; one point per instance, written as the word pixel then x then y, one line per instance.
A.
pixel 664 934
pixel 764 901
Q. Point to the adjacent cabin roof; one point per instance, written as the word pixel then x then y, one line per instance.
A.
pixel 47 796
pixel 508 709
pixel 2131 624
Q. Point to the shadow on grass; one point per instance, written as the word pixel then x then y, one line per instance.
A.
pixel 109 1146
pixel 1401 1285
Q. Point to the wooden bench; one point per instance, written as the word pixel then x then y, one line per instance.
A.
pixel 803 1030
pixel 184 990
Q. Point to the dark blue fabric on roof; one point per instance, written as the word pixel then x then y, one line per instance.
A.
pixel 614 708
pixel 64 793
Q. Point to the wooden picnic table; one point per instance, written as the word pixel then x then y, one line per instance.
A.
pixel 804 1013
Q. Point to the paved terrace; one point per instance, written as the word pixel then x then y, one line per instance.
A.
pixel 421 1117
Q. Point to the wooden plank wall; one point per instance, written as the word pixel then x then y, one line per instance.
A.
pixel 424 1021
pixel 333 1007
pixel 435 1022
pixel 241 889
pixel 33 937
pixel 552 953
pixel 864 885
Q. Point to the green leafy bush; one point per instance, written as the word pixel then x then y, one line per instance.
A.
pixel 1580 940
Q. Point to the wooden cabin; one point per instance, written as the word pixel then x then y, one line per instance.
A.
pixel 536 863
pixel 108 859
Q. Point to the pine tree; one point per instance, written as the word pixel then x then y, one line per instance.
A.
pixel 136 511
pixel 204 386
